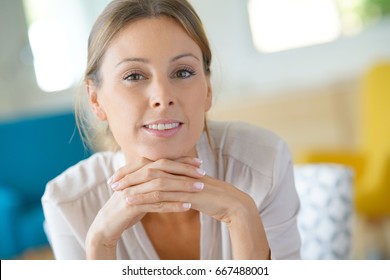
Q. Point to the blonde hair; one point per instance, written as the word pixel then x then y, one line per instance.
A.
pixel 118 13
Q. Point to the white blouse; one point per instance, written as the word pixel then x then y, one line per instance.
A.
pixel 250 158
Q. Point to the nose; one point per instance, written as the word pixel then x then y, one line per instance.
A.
pixel 162 95
pixel 162 103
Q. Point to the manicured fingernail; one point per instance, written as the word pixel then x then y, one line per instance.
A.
pixel 186 205
pixel 109 181
pixel 115 186
pixel 199 185
pixel 201 171
pixel 198 160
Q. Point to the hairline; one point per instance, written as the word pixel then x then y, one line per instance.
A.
pixel 96 75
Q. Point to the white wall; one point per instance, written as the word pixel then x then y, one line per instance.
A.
pixel 239 68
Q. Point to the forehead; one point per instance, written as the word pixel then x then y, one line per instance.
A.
pixel 151 38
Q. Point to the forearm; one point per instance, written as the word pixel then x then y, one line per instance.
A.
pixel 247 235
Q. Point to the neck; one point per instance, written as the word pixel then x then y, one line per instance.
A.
pixel 180 218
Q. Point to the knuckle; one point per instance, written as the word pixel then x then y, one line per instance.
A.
pixel 162 161
pixel 158 183
pixel 120 172
pixel 157 196
pixel 190 186
pixel 190 169
pixel 127 192
pixel 126 178
pixel 130 206
pixel 150 173
pixel 123 171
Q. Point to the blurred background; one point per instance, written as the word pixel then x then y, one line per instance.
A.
pixel 316 72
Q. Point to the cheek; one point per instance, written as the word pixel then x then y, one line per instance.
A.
pixel 123 116
pixel 198 97
pixel 196 110
pixel 122 104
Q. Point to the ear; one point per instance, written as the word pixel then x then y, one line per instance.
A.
pixel 209 96
pixel 94 100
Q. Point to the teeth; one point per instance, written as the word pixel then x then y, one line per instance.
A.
pixel 162 126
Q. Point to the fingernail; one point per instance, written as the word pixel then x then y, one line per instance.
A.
pixel 129 199
pixel 198 160
pixel 109 181
pixel 115 186
pixel 201 171
pixel 186 205
pixel 199 185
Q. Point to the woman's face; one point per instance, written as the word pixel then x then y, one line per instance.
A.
pixel 154 91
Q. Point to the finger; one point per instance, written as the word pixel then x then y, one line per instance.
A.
pixel 158 197
pixel 166 185
pixel 160 207
pixel 128 168
pixel 162 168
pixel 190 160
pixel 178 168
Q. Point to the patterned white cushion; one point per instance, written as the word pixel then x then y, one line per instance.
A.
pixel 325 219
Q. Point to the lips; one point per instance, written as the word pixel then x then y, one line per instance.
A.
pixel 163 128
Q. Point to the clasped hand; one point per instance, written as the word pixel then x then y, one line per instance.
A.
pixel 164 186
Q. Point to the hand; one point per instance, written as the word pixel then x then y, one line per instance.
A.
pixel 238 210
pixel 217 199
pixel 117 214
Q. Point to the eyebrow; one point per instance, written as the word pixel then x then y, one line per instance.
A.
pixel 144 60
pixel 184 55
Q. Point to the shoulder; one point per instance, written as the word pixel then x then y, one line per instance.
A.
pixel 83 177
pixel 231 132
pixel 253 146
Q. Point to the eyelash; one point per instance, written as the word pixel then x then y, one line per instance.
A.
pixel 136 75
pixel 189 71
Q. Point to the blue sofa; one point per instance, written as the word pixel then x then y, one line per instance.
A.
pixel 32 152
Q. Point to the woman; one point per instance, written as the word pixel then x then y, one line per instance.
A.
pixel 167 186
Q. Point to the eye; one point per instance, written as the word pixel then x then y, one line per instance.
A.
pixel 134 76
pixel 184 73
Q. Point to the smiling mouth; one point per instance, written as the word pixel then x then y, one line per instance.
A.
pixel 162 126
pixel 163 129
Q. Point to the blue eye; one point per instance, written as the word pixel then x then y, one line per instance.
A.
pixel 184 73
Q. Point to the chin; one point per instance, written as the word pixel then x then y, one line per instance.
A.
pixel 156 154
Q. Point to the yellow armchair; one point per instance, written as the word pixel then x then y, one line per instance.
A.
pixel 371 162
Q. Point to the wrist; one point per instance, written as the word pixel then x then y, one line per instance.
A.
pixel 247 233
pixel 244 216
pixel 241 211
pixel 96 247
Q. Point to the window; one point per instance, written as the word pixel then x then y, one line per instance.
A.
pixel 58 32
pixel 279 25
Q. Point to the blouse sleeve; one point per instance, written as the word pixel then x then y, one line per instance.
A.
pixel 281 207
pixel 62 240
